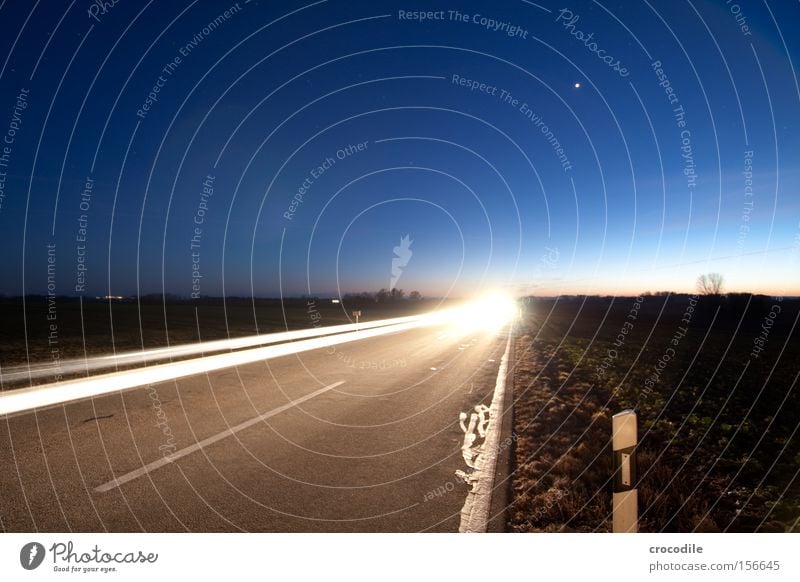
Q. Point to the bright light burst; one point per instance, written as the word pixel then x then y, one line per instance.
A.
pixel 489 312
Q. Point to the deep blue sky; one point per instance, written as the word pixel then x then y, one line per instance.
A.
pixel 277 88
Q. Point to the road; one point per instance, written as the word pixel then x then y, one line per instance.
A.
pixel 362 436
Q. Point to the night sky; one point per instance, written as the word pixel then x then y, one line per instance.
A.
pixel 265 148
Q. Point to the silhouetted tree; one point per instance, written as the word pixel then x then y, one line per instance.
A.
pixel 415 296
pixel 710 284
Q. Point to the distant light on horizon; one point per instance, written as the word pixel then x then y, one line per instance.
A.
pixel 489 312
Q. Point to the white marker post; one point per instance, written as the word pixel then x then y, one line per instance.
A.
pixel 626 495
pixel 357 314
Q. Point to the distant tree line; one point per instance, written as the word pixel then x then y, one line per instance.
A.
pixel 709 284
pixel 382 296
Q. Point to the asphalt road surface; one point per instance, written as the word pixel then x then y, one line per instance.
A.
pixel 362 436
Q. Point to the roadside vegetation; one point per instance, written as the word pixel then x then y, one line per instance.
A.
pixel 714 380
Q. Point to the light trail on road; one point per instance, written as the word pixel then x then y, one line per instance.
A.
pixel 14 401
pixel 93 364
pixel 466 318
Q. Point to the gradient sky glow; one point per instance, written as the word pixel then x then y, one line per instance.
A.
pixel 261 99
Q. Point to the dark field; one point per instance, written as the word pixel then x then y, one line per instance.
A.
pixel 719 448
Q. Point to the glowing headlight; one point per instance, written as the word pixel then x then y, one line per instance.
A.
pixel 489 312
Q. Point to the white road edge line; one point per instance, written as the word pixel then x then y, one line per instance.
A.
pixel 475 513
pixel 166 460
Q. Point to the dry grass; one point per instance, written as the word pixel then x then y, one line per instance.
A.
pixel 561 448
pixel 706 462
